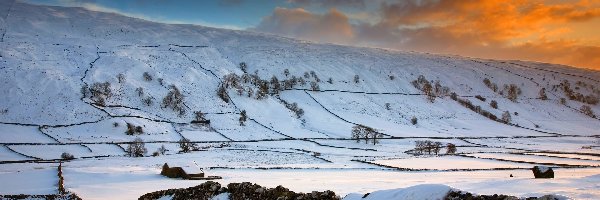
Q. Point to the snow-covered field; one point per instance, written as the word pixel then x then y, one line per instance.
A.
pixel 48 54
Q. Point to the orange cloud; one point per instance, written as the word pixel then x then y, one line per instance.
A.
pixel 518 29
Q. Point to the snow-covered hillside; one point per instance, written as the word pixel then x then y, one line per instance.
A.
pixel 51 57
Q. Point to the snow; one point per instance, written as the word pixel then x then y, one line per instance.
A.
pixel 537 159
pixel 424 192
pixel 449 162
pixel 39 181
pixel 49 53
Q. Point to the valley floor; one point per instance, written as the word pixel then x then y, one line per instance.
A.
pixel 481 166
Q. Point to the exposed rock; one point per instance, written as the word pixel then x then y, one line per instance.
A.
pixel 460 195
pixel 66 196
pixel 239 191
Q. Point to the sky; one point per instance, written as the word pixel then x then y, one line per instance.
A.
pixel 553 31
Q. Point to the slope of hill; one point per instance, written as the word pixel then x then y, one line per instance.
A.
pixel 73 79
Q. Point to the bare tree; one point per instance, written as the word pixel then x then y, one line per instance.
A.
pixel 243 118
pixel 243 67
pixel 147 76
pixel 186 145
pixel 506 118
pixel 121 78
pixel 585 109
pixel 428 90
pixel 174 100
pixel 542 94
pixel 275 85
pixel 162 150
pixel 436 146
pixel 494 104
pixel 314 86
pixel 450 148
pixel 286 72
pixel 199 116
pixel 222 93
pixel 136 148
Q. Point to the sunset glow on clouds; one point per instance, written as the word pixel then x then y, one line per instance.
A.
pixel 564 32
pixel 554 31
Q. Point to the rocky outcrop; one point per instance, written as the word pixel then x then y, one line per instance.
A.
pixel 238 191
pixel 246 190
pixel 460 195
pixel 66 196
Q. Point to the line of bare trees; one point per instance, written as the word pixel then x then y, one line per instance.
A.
pixel 429 147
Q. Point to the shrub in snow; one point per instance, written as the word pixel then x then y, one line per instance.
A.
pixel 136 148
pixel 563 101
pixel 585 109
pixel 480 98
pixel 147 76
pixel 392 77
pixel 542 94
pixel 440 90
pixel 67 156
pixel 243 67
pixel 140 91
pixel 186 145
pixel 494 104
pixel 161 81
pixel 423 84
pixel 162 150
pixel 306 75
pixel 506 118
pixel 454 96
pixel 174 100
pixel 275 85
pixel 511 92
pixel 263 90
pixel 294 108
pixel 286 72
pixel 387 106
pixel 132 129
pixel 490 85
pixel 330 80
pixel 148 101
pixel 356 78
pixel 222 93
pixel 115 124
pixel 450 148
pixel 314 86
pixel 413 120
pixel 301 81
pixel 250 91
pixel 199 116
pixel 121 78
pixel 243 118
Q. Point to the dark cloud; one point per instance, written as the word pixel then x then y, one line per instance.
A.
pixel 332 26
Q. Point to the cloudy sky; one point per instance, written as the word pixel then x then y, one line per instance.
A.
pixel 555 31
